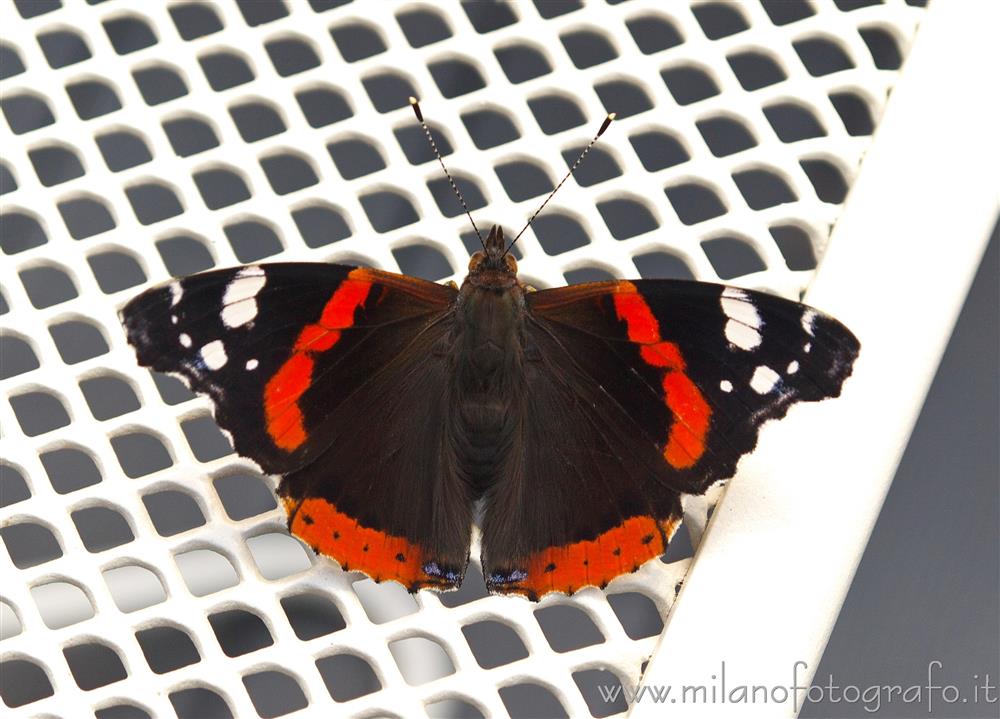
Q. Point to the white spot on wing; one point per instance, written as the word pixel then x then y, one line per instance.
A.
pixel 214 355
pixel 793 367
pixel 185 339
pixel 252 364
pixel 176 292
pixel 726 386
pixel 764 380
pixel 808 318
pixel 173 319
pixel 746 338
pixel 807 347
pixel 239 306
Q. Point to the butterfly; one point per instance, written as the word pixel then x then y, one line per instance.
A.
pixel 566 423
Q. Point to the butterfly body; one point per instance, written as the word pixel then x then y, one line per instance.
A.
pixel 567 422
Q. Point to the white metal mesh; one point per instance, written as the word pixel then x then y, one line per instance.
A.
pixel 145 140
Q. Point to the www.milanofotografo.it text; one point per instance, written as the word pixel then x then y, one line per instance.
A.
pixel 930 693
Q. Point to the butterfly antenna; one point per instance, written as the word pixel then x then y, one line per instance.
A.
pixel 430 138
pixel 604 126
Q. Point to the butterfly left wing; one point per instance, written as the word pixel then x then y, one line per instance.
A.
pixel 649 389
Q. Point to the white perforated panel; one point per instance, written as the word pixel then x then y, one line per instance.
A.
pixel 149 567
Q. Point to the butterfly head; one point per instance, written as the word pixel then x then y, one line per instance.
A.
pixel 493 264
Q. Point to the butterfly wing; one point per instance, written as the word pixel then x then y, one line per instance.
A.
pixel 303 361
pixel 640 392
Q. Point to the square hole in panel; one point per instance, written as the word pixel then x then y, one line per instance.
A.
pixel 423 26
pixel 278 555
pixel 720 19
pixel 69 469
pixel 453 707
pixel 8 183
pixel 288 173
pixel 61 604
pixel 225 69
pixel 47 286
pixel 384 602
pixel 261 12
pixel 531 700
pixel 244 495
pixel 793 122
pixel 555 113
pixel 680 546
pixel 323 106
pixel 637 614
pixel 115 271
pixel 23 682
pixel 78 341
pixel 85 217
pixel 13 487
pixel 827 179
pixel 548 9
pixel 387 210
pixel 755 70
pixel 473 588
pixel 587 48
pixel 199 703
pixel 16 357
pixel 140 453
pixel 489 15
pixel 39 412
pixel 523 180
pixel 189 136
pixel 92 98
pixel 121 711
pixel 446 200
pixel 34 8
pixel 725 136
pixel 167 648
pixel 129 34
pixel 94 665
pixel 25 113
pixel 558 233
pixel 388 91
pixel 20 232
pixel 184 255
pixel 347 677
pixel 456 77
pixel 762 189
pixel 158 85
pixel 173 512
pixel 122 150
pixel 822 56
pixel 596 686
pixel 134 587
pixel 587 274
pixel 221 188
pixel 626 218
pixel 521 63
pixel 206 571
pixel 782 12
pixel 194 20
pixel 658 150
pixel 54 164
pixel 109 397
pixel 11 63
pixel 795 247
pixel 493 643
pixel 421 660
pixel 206 440
pixel 29 544
pixel 101 528
pixel 63 48
pixel 854 113
pixel 653 33
pixel 153 202
pixel 413 141
pixel 274 693
pixel 489 128
pixel 694 203
pixel 312 615
pixel 171 389
pixel 422 261
pixel 689 84
pixel 239 632
pixel 357 41
pixel 290 56
pixel 662 266
pixel 320 225
pixel 598 166
pixel 623 98
pixel 256 120
pixel 882 45
pixel 252 241
pixel 567 627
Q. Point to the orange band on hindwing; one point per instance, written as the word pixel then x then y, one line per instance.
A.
pixel 282 413
pixel 686 439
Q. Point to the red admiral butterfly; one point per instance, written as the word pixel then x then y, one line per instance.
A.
pixel 567 422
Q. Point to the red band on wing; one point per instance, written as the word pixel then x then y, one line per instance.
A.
pixel 595 562
pixel 380 555
pixel 285 422
pixel 686 440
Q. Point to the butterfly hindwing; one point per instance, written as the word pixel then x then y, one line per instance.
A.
pixel 644 390
pixel 304 362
